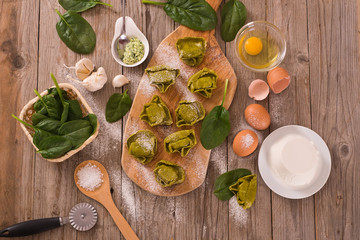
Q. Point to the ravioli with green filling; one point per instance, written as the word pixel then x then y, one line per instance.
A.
pixel 156 113
pixel 191 50
pixel 162 76
pixel 168 174
pixel 245 190
pixel 180 141
pixel 142 146
pixel 189 113
pixel 203 82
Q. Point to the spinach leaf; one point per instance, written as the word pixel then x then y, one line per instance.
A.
pixel 52 106
pixel 76 32
pixel 195 14
pixel 65 112
pixel 49 125
pixel 224 181
pixel 75 112
pixel 80 5
pixel 77 132
pixel 216 125
pixel 117 106
pixel 40 108
pixel 37 117
pixel 54 146
pixel 233 17
pixel 93 121
pixel 40 135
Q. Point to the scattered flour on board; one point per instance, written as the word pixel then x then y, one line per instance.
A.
pixel 240 215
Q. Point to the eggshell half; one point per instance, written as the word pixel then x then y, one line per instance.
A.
pixel 258 90
pixel 278 79
pixel 245 143
pixel 257 116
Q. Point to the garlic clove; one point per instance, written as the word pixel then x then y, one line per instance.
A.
pixel 119 81
pixel 96 80
pixel 83 68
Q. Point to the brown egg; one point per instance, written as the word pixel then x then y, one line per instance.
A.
pixel 245 143
pixel 278 79
pixel 257 116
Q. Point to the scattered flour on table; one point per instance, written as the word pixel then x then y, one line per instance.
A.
pixel 218 159
pixel 128 196
pixel 240 215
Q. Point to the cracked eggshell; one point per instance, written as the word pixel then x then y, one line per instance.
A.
pixel 83 68
pixel 96 80
pixel 278 79
pixel 119 81
pixel 258 90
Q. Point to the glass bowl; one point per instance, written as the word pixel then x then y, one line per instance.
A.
pixel 273 46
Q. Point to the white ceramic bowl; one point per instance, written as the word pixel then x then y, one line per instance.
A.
pixel 131 31
pixel 279 187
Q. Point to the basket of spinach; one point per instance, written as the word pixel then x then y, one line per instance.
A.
pixel 59 122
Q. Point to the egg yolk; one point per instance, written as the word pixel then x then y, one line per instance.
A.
pixel 253 46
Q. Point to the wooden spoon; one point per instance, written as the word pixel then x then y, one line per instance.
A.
pixel 103 196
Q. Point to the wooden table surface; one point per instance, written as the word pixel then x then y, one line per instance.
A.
pixel 323 60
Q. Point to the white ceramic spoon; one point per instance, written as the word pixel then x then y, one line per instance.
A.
pixel 131 31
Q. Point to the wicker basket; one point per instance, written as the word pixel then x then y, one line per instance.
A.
pixel 72 93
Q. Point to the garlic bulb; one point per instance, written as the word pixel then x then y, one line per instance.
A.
pixel 83 68
pixel 96 80
pixel 119 81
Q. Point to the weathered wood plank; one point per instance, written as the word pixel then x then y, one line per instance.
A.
pixel 254 223
pixel 54 189
pixel 334 70
pixel 292 107
pixel 18 71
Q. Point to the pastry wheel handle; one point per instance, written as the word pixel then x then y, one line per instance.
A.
pixel 120 221
pixel 31 227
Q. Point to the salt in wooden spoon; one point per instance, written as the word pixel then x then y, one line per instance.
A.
pixel 103 196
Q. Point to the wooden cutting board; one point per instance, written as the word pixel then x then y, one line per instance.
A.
pixel 196 162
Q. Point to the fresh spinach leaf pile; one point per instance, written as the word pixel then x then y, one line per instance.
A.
pixel 58 123
pixel 195 14
pixel 73 29
pixel 216 125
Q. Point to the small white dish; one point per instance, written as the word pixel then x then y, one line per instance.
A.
pixel 274 183
pixel 131 31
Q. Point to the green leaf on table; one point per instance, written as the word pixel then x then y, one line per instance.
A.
pixel 233 17
pixel 54 146
pixel 195 14
pixel 117 106
pixel 76 32
pixel 224 181
pixel 216 126
pixel 81 5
